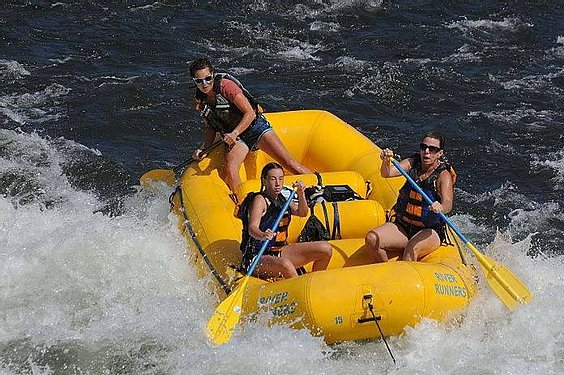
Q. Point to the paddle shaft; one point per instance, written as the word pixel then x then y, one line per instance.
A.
pixel 255 262
pixel 181 166
pixel 483 261
pixel 226 315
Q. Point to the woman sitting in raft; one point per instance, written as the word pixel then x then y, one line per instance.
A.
pixel 228 108
pixel 259 212
pixel 418 229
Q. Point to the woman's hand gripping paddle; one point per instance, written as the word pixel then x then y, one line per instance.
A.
pixel 226 315
pixel 168 176
pixel 510 290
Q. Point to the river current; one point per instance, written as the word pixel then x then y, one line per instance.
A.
pixel 93 272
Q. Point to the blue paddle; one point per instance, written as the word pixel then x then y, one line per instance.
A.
pixel 226 315
pixel 503 282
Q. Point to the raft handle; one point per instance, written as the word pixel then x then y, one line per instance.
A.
pixel 367 304
pixel 369 319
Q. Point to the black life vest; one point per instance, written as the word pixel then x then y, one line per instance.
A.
pixel 253 245
pixel 410 207
pixel 224 115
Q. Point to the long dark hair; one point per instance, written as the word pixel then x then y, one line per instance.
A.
pixel 264 173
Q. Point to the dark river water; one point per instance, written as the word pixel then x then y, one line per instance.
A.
pixel 92 95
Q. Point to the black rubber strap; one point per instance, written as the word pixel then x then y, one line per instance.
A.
pixel 336 222
pixel 319 179
pixel 324 206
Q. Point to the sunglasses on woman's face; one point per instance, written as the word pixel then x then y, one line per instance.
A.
pixel 203 81
pixel 432 149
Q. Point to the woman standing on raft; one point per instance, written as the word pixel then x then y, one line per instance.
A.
pixel 226 107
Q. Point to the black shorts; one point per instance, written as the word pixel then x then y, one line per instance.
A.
pixel 249 258
pixel 411 230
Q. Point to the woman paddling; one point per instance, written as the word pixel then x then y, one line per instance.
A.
pixel 418 229
pixel 279 258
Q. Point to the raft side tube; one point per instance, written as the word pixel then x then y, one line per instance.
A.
pixel 334 303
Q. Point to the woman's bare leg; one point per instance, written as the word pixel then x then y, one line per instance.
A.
pixel 383 239
pixel 272 266
pixel 272 145
pixel 318 252
pixel 423 243
pixel 233 160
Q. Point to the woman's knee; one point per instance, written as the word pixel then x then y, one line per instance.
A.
pixel 372 239
pixel 326 249
pixel 285 264
pixel 287 268
pixel 318 250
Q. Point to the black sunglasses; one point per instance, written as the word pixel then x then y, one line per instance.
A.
pixel 432 149
pixel 203 81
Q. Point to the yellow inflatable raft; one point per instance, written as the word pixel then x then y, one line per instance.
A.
pixel 337 303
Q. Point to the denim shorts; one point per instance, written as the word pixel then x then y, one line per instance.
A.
pixel 254 132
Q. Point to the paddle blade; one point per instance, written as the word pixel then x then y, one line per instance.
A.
pixel 226 316
pixel 165 175
pixel 503 282
pixel 510 290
